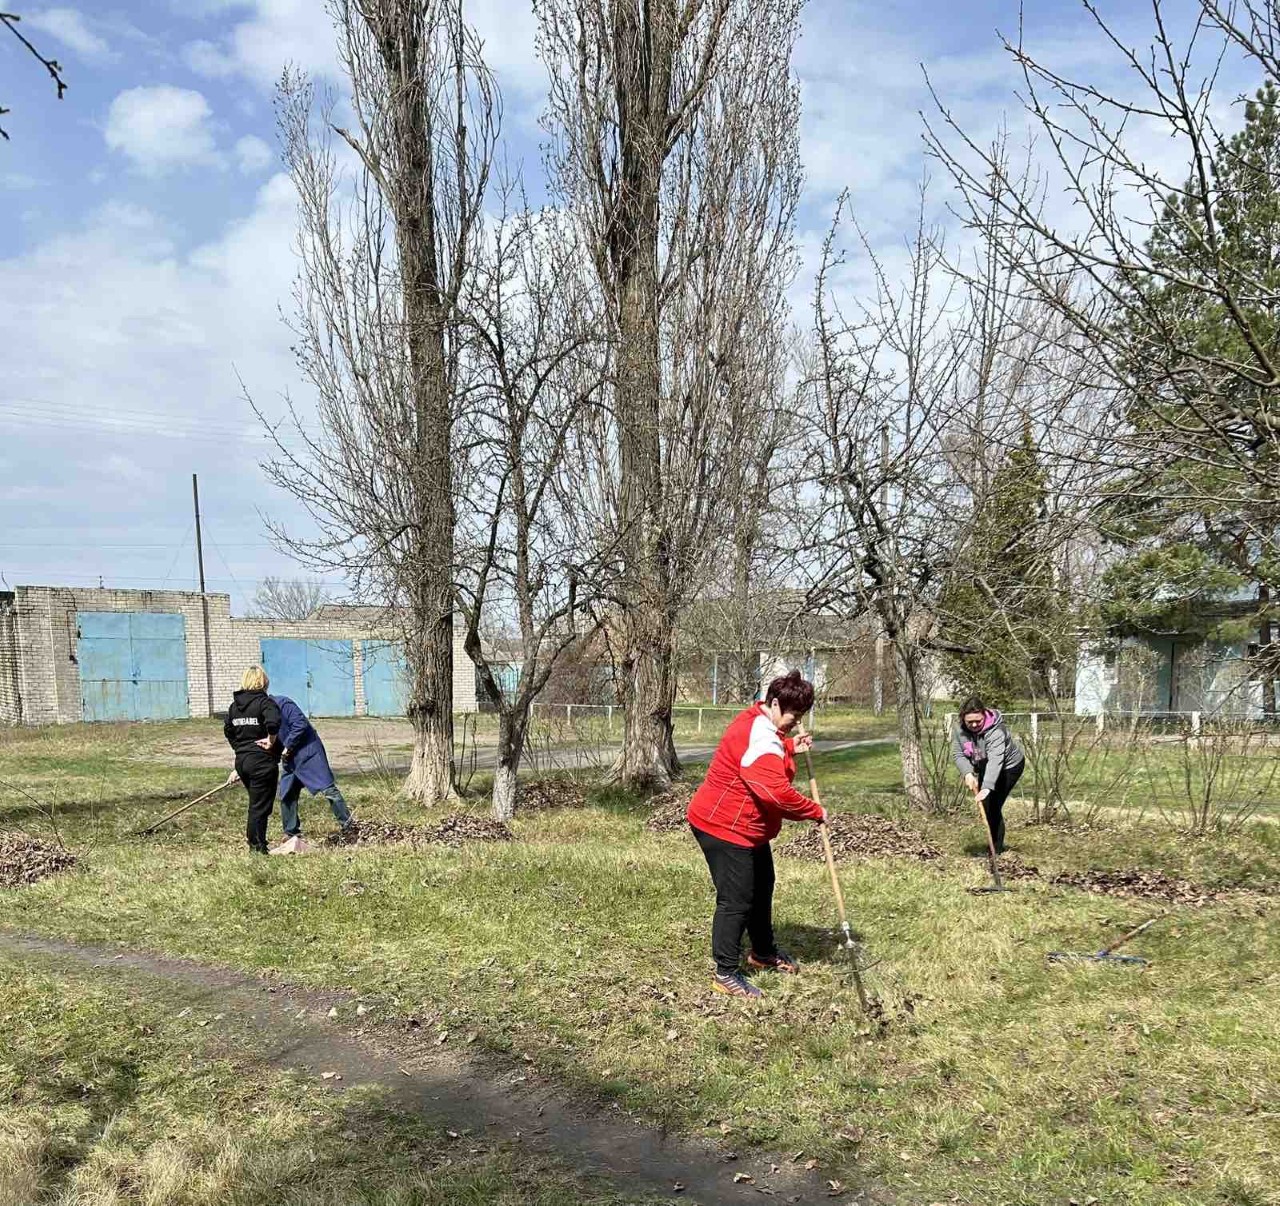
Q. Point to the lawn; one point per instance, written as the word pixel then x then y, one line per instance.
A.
pixel 113 1093
pixel 583 946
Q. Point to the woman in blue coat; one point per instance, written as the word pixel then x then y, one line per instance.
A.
pixel 304 763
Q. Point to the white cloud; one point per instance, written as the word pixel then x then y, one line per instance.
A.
pixel 273 34
pixel 129 353
pixel 69 26
pixel 209 60
pixel 162 128
pixel 253 154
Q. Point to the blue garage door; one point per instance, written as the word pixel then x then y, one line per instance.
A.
pixel 386 678
pixel 133 665
pixel 317 675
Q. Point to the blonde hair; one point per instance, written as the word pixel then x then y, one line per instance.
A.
pixel 254 679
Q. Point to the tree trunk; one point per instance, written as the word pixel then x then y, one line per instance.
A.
pixel 430 591
pixel 1266 654
pixel 910 723
pixel 643 54
pixel 648 757
pixel 511 734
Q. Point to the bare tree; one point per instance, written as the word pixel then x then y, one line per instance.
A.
pixel 674 130
pixel 387 253
pixel 52 66
pixel 919 393
pixel 288 598
pixel 881 532
pixel 530 570
pixel 1176 284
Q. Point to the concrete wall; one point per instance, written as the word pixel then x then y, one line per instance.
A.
pixel 40 677
pixel 10 696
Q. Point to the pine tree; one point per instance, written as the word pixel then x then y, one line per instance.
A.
pixel 1194 523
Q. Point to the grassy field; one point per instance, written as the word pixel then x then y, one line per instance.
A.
pixel 583 946
pixel 111 1094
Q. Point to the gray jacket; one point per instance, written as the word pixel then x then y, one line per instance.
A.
pixel 986 754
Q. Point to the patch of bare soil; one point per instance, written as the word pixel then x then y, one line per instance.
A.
pixel 669 809
pixel 452 831
pixel 542 795
pixel 856 835
pixel 27 860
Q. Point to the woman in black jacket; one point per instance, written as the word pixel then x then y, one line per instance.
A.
pixel 251 727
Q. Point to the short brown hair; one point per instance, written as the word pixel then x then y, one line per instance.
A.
pixel 792 692
pixel 971 705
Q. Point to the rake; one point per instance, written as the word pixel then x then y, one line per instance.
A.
pixel 177 812
pixel 997 884
pixel 848 944
pixel 1107 953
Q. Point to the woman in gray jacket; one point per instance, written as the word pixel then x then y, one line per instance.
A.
pixel 990 760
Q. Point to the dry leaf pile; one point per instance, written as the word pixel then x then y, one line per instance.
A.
pixel 452 831
pixel 667 811
pixel 541 795
pixel 27 860
pixel 856 835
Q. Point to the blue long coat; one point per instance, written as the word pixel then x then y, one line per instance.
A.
pixel 307 762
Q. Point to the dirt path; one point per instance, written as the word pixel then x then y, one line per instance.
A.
pixel 503 1104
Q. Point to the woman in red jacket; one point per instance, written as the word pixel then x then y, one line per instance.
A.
pixel 737 812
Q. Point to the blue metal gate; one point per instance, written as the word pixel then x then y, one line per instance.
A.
pixel 386 678
pixel 133 665
pixel 317 675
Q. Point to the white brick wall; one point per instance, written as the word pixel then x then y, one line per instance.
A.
pixel 39 659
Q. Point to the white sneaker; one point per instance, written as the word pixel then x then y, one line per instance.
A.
pixel 293 845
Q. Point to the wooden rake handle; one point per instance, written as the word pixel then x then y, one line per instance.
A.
pixel 826 838
pixel 177 812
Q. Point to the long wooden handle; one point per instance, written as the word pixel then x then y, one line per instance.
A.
pixel 1119 942
pixel 826 838
pixel 835 879
pixel 991 842
pixel 177 812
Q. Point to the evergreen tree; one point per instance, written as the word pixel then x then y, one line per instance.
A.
pixel 1198 522
pixel 1001 601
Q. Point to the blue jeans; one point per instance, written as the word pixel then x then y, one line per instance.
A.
pixel 289 807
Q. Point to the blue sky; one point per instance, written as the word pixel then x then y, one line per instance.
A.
pixel 145 242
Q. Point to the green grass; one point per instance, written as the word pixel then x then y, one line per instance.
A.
pixel 110 1095
pixel 584 947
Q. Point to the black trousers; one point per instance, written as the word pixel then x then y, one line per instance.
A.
pixel 993 805
pixel 260 773
pixel 743 876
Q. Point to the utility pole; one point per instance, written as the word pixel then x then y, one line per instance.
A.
pixel 877 688
pixel 204 601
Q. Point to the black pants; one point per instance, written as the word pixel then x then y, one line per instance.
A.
pixel 993 805
pixel 743 876
pixel 259 773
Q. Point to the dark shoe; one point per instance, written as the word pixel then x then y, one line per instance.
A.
pixel 779 961
pixel 735 986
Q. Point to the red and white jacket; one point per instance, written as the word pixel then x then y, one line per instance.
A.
pixel 747 791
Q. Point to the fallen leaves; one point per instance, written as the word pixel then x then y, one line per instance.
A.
pixel 669 808
pixel 26 860
pixel 855 835
pixel 452 831
pixel 541 795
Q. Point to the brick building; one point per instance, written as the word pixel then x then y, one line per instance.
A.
pixel 69 654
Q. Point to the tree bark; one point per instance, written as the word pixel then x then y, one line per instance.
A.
pixel 413 202
pixel 910 723
pixel 511 734
pixel 648 680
